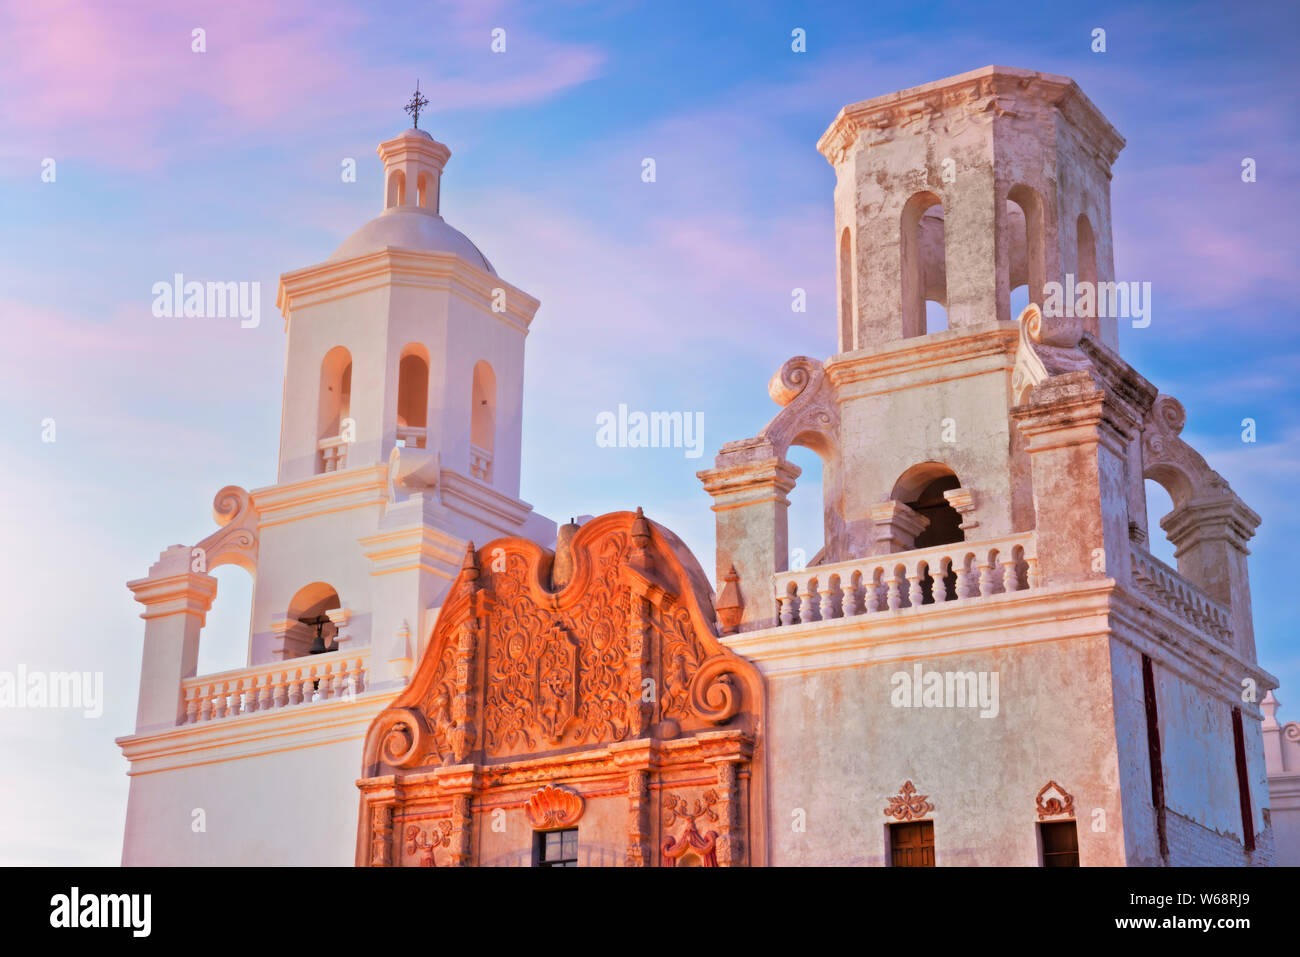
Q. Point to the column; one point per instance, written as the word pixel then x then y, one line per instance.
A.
pixel 176 601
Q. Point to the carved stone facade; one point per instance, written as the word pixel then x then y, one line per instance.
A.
pixel 608 705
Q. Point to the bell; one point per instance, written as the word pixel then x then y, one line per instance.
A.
pixel 318 644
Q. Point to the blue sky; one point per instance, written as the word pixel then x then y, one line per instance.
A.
pixel 226 165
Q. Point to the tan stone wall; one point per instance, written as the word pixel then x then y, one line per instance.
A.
pixel 838 750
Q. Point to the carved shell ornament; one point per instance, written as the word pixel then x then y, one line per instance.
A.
pixel 553 807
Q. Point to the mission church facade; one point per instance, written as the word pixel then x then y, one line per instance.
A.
pixel 983 666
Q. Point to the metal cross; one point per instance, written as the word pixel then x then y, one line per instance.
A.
pixel 417 103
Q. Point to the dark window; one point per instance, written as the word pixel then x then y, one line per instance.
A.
pixel 1154 757
pixel 1243 781
pixel 1060 843
pixel 555 848
pixel 945 522
pixel 912 845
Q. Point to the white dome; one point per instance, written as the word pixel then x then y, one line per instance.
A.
pixel 410 227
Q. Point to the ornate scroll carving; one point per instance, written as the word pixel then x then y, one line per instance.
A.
pixel 418 840
pixel 1169 460
pixel 235 542
pixel 1054 801
pixel 551 807
pixel 583 682
pixel 1047 347
pixel 401 737
pixel 907 805
pixel 811 414
pixel 714 695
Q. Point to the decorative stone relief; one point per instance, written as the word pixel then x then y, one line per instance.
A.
pixel 690 840
pixel 583 682
pixel 1054 801
pixel 553 807
pixel 907 805
pixel 419 841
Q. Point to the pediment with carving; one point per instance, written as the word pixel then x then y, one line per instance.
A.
pixel 626 650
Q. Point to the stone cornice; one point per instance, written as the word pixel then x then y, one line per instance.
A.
pixel 977 350
pixel 482 503
pixel 421 546
pixel 360 487
pixel 1052 613
pixel 392 266
pixel 1071 409
pixel 989 92
pixel 1157 631
pixel 416 143
pixel 189 593
pixel 748 481
pixel 1076 610
pixel 1221 517
pixel 255 733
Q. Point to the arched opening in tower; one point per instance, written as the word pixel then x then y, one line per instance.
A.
pixel 924 266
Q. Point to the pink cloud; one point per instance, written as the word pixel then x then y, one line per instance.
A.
pixel 116 84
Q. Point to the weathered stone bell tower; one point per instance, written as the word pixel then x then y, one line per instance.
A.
pixel 983 484
pixel 961 190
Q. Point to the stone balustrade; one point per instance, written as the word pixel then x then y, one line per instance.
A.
pixel 333 453
pixel 412 437
pixel 963 571
pixel 480 463
pixel 280 684
pixel 1171 591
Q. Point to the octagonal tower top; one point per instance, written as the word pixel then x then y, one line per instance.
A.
pixel 958 192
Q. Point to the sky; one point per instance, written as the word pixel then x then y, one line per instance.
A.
pixel 225 165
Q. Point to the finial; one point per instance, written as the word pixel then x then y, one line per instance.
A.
pixel 417 103
pixel 470 562
pixel 729 606
pixel 640 530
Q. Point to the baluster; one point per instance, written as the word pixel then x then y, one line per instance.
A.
pixel 807 607
pixel 827 610
pixel 967 584
pixel 236 699
pixel 787 609
pixel 219 705
pixel 1034 580
pixel 307 686
pixel 295 688
pixel 892 597
pixel 191 705
pixel 915 590
pixel 1009 580
pixel 280 693
pixel 939 580
pixel 871 588
pixel 326 686
pixel 358 671
pixel 986 579
pixel 205 702
pixel 264 693
pixel 848 598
